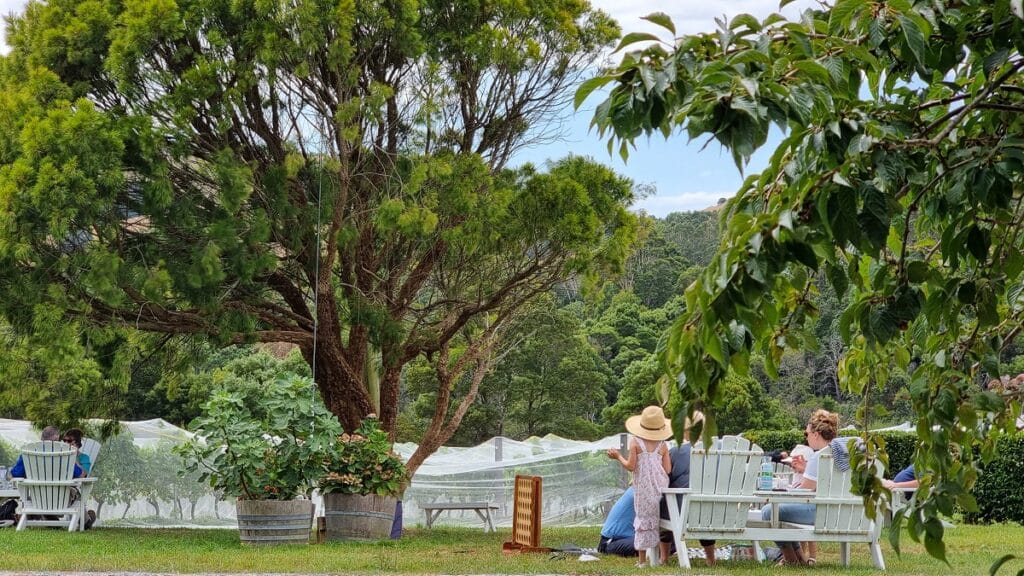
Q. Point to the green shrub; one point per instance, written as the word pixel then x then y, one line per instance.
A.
pixel 899 445
pixel 262 441
pixel 1000 497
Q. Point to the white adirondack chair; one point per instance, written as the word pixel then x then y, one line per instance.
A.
pixel 721 492
pixel 92 449
pixel 47 486
pixel 839 516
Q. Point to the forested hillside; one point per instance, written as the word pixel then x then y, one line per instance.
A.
pixel 576 363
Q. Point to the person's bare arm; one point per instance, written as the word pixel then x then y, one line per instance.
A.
pixel 627 463
pixel 889 484
pixel 666 461
pixel 808 484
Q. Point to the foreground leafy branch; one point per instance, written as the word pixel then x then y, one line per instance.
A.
pixel 897 185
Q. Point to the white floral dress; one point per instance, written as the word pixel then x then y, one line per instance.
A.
pixel 649 477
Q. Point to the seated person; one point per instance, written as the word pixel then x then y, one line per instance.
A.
pixel 904 479
pixel 797 460
pixel 617 533
pixel 73 437
pixel 50 433
pixel 822 429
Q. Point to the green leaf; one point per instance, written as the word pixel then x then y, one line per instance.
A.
pixel 999 564
pixel 842 12
pixel 814 70
pixel 837 277
pixel 588 86
pixel 745 20
pixel 661 19
pixel 995 60
pixel 935 546
pixel 914 38
pixel 978 242
pixel 634 37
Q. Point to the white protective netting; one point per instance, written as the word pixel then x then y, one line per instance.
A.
pixel 139 482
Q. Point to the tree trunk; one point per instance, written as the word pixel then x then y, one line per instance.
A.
pixel 340 387
pixel 389 390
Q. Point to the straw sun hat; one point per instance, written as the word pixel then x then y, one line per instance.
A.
pixel 650 424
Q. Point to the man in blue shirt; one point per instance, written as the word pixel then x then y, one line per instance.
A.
pixel 617 532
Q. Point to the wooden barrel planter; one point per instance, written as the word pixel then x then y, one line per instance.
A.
pixel 358 517
pixel 270 522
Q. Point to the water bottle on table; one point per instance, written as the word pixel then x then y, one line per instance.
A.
pixel 765 477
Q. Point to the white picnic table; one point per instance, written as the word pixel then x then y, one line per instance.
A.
pixel 482 509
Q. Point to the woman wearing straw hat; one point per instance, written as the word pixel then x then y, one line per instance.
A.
pixel 649 461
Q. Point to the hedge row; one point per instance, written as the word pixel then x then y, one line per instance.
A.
pixel 999 494
pixel 1000 497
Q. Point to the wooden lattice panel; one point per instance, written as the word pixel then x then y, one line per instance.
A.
pixel 526 515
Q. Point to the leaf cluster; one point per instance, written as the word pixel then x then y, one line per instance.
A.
pixel 262 442
pixel 897 181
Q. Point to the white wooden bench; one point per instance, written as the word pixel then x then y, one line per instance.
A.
pixel 482 509
pixel 721 493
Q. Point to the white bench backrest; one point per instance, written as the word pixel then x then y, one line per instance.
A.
pixel 54 463
pixel 844 512
pixel 729 468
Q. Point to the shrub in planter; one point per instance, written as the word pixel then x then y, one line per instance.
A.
pixel 266 446
pixel 364 477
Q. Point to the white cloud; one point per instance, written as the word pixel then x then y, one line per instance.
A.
pixel 692 16
pixel 662 204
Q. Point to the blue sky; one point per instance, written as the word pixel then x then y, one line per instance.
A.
pixel 684 177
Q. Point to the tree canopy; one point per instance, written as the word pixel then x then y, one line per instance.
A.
pixel 327 174
pixel 897 178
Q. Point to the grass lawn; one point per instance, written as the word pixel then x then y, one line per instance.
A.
pixel 441 551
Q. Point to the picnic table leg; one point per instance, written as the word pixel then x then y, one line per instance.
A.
pixel 844 553
pixel 758 552
pixel 490 523
pixel 481 514
pixel 431 517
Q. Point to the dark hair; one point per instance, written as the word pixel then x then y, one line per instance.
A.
pixel 75 435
